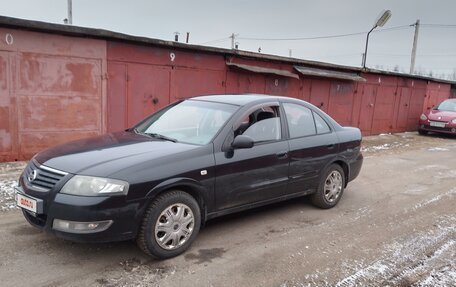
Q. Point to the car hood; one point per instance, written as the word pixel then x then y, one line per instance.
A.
pixel 437 115
pixel 109 153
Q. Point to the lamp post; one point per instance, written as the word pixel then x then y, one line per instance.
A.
pixel 384 17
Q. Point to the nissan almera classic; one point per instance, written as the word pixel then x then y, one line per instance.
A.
pixel 161 180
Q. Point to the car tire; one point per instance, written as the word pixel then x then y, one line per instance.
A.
pixel 331 187
pixel 422 132
pixel 170 225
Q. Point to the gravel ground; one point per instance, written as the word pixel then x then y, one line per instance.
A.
pixel 9 173
pixel 395 226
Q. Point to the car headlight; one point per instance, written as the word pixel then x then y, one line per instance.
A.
pixel 423 117
pixel 95 186
pixel 453 121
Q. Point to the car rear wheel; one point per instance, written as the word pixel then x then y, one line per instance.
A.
pixel 331 188
pixel 170 225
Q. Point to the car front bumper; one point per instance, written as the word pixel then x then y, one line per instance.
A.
pixel 448 129
pixel 123 217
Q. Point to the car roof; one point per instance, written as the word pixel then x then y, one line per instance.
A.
pixel 237 99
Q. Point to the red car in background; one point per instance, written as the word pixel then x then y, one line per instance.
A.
pixel 440 119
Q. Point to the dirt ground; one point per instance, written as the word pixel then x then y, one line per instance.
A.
pixel 395 226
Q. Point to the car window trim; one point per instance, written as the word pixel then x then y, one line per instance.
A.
pixel 315 122
pixel 311 111
pixel 288 135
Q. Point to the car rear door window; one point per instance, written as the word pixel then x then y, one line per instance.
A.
pixel 300 120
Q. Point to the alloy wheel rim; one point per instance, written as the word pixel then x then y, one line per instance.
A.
pixel 333 186
pixel 174 226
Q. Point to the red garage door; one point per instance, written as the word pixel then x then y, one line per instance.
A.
pixel 384 110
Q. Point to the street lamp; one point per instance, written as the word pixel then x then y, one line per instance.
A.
pixel 384 17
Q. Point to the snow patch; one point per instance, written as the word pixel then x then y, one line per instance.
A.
pixel 7 201
pixel 432 167
pixel 434 199
pixel 442 277
pixel 437 149
pixel 431 254
pixel 415 189
pixel 447 174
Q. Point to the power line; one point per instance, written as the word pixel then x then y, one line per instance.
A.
pixel 217 40
pixel 402 27
pixel 439 25
pixel 323 37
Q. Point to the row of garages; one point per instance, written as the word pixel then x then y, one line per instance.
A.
pixel 59 83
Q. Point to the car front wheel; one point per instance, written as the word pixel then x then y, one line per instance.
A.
pixel 422 132
pixel 331 188
pixel 170 225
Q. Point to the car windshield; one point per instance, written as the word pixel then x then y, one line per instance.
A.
pixel 447 106
pixel 190 121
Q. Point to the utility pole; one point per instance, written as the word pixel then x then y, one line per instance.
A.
pixel 70 12
pixel 232 40
pixel 415 43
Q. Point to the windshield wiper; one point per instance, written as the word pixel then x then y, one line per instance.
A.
pixel 162 137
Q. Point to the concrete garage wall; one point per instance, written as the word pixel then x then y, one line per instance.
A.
pixel 51 91
pixel 59 83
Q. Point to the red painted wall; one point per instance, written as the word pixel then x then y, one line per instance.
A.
pixel 51 91
pixel 56 88
pixel 382 104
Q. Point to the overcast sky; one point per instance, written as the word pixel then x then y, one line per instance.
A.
pixel 209 20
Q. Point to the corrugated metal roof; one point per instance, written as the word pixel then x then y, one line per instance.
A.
pixel 329 74
pixel 262 70
pixel 76 31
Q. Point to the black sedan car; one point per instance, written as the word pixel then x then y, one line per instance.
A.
pixel 194 160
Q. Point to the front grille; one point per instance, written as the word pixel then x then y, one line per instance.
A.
pixel 41 177
pixel 438 129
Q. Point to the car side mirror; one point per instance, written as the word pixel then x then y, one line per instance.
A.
pixel 242 141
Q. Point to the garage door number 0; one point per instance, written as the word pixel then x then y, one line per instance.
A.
pixel 9 39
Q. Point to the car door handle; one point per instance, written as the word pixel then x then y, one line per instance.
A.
pixel 282 154
pixel 331 146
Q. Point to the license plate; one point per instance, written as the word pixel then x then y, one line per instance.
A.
pixel 26 202
pixel 437 124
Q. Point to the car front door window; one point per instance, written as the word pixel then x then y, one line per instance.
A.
pixel 262 125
